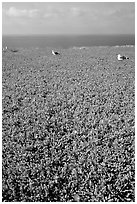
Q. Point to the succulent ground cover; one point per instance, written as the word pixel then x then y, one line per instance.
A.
pixel 68 125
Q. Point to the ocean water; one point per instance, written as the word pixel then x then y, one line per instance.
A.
pixel 66 41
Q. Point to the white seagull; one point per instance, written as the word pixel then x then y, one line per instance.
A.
pixel 120 58
pixel 55 53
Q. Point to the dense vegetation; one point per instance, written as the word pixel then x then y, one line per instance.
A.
pixel 68 125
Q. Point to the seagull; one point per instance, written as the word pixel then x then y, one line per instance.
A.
pixel 120 58
pixel 55 53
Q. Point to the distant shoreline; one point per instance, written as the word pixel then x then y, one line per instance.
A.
pixel 64 41
pixel 69 48
pixel 68 35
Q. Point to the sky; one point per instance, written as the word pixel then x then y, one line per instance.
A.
pixel 27 18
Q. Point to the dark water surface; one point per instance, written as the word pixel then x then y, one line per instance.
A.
pixel 64 41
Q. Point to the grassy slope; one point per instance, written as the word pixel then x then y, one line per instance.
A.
pixel 68 125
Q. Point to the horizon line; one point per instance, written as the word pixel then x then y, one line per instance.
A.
pixel 67 34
